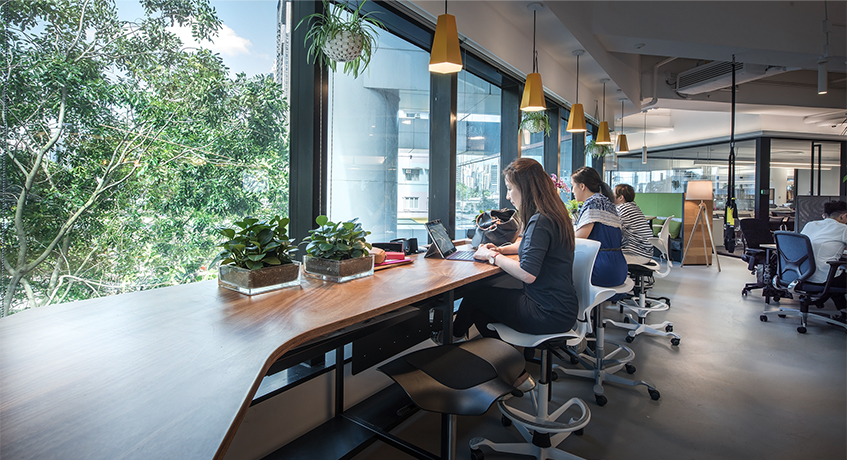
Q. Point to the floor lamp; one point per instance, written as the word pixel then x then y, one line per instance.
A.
pixel 701 190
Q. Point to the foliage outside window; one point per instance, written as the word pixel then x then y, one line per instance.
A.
pixel 124 151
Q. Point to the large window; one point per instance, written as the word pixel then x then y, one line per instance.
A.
pixel 478 150
pixel 141 141
pixel 379 142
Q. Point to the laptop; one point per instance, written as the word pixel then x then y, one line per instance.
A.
pixel 443 245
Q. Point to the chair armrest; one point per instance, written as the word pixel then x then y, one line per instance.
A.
pixel 834 265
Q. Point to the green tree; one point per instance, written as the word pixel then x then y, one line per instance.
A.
pixel 123 150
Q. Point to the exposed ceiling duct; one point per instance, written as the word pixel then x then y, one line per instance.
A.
pixel 718 75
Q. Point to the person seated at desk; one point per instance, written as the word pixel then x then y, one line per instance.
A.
pixel 636 246
pixel 547 303
pixel 829 238
pixel 598 220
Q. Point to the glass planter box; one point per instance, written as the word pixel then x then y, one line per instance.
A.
pixel 338 271
pixel 265 279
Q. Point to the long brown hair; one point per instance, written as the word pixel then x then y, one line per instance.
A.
pixel 538 194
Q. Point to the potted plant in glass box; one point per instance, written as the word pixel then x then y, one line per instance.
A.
pixel 256 257
pixel 337 251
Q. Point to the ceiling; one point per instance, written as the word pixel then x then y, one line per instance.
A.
pixel 624 40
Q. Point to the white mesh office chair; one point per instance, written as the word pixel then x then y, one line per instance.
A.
pixel 540 427
pixel 641 305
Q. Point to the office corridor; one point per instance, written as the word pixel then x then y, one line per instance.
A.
pixel 734 388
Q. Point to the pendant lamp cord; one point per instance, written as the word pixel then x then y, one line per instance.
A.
pixel 445 6
pixel 534 53
pixel 577 79
pixel 604 101
pixel 621 117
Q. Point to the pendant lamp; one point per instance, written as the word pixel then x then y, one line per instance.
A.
pixel 603 137
pixel 533 90
pixel 576 122
pixel 623 145
pixel 446 57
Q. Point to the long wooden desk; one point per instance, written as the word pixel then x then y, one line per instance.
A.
pixel 169 373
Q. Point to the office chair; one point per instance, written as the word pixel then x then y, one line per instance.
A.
pixel 760 261
pixel 455 379
pixel 641 305
pixel 598 365
pixel 795 264
pixel 541 428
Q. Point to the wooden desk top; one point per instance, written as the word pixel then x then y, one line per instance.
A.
pixel 169 373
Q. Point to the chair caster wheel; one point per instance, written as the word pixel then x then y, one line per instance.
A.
pixel 477 454
pixel 505 421
pixel 574 360
pixel 626 319
pixel 579 432
pixel 630 369
pixel 801 330
pixel 669 328
pixel 601 400
pixel 629 339
pixel 776 298
pixel 744 293
pixel 654 394
pixel 675 342
pixel 763 318
pixel 781 316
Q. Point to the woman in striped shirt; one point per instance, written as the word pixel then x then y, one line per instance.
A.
pixel 636 230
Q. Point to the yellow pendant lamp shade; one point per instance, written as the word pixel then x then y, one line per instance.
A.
pixel 576 122
pixel 623 145
pixel 446 57
pixel 603 137
pixel 533 94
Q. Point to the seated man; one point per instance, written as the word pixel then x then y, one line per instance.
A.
pixel 829 238
pixel 636 230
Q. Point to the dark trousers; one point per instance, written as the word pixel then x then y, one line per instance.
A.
pixel 485 304
pixel 839 284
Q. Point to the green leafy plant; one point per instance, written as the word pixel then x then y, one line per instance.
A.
pixel 597 150
pixel 337 241
pixel 332 25
pixel 535 122
pixel 573 207
pixel 254 244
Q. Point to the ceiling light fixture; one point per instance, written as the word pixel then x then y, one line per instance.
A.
pixel 623 145
pixel 576 121
pixel 603 136
pixel 446 56
pixel 822 71
pixel 533 90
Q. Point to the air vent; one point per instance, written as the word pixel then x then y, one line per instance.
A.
pixel 718 75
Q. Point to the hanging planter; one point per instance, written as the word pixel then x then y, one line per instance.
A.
pixel 536 122
pixel 342 35
pixel 344 47
pixel 598 150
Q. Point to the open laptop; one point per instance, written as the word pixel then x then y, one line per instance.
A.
pixel 443 244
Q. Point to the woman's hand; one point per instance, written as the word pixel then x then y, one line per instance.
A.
pixel 484 252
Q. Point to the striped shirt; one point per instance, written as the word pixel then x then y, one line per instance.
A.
pixel 636 231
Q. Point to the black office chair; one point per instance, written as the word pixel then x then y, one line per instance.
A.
pixel 456 379
pixel 795 264
pixel 760 262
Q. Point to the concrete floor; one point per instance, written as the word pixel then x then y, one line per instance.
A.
pixel 734 388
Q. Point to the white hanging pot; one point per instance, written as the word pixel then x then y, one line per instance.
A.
pixel 344 46
pixel 534 126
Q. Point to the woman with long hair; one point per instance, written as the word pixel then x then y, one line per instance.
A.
pixel 547 301
pixel 598 220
